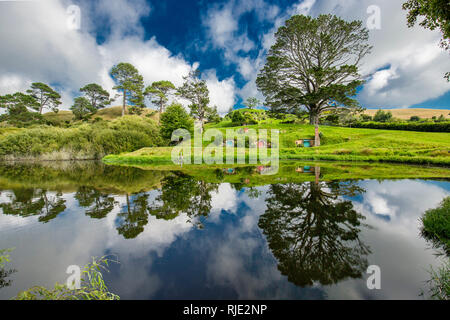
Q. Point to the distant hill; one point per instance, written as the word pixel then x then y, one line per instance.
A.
pixel 106 114
pixel 407 113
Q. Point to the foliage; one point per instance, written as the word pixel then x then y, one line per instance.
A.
pixel 97 96
pixel 159 92
pixel 240 118
pixel 93 286
pixel 406 126
pixel 439 284
pixel 175 118
pixel 314 64
pixel 382 116
pixel 252 103
pixel 82 109
pixel 213 116
pixel 436 225
pixel 45 97
pixel 86 141
pixel 196 91
pixel 130 83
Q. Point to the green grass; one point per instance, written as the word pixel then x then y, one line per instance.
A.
pixel 338 144
pixel 436 225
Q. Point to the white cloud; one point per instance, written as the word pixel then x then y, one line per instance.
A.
pixel 41 48
pixel 221 93
pixel 415 63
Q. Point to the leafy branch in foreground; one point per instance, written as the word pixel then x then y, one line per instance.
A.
pixel 93 286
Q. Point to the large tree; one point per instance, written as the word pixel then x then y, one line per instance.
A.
pixel 196 91
pixel 130 83
pixel 435 14
pixel 159 92
pixel 314 65
pixel 98 97
pixel 45 96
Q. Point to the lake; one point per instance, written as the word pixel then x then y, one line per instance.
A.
pixel 310 232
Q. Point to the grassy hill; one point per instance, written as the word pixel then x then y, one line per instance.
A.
pixel 339 144
pixel 108 114
pixel 406 114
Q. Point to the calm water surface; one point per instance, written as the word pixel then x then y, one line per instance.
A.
pixel 184 237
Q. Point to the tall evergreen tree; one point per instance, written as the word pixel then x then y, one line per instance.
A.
pixel 130 83
pixel 45 96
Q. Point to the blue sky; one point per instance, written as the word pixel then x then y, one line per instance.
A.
pixel 227 40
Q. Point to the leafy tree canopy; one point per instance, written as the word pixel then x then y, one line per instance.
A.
pixel 196 91
pixel 159 93
pixel 82 108
pixel 314 65
pixel 45 96
pixel 175 118
pixel 130 83
pixel 98 97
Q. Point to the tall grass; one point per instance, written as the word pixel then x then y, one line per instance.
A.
pixel 85 141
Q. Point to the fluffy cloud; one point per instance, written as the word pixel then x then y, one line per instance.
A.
pixel 406 66
pixel 221 93
pixel 42 48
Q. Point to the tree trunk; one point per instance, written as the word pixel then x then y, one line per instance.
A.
pixel 124 102
pixel 314 120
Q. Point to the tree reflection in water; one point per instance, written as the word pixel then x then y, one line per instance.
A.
pixel 34 202
pixel 314 233
pixel 183 193
pixel 98 204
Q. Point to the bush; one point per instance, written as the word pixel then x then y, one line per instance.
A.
pixel 414 118
pixel 406 126
pixel 87 141
pixel 382 116
pixel 173 119
pixel 436 224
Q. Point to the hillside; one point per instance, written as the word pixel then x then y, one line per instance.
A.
pixel 340 144
pixel 106 114
pixel 406 114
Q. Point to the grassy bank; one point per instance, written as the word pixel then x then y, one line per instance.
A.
pixel 338 144
pixel 436 225
pixel 79 142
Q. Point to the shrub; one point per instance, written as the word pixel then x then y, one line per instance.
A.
pixel 89 141
pixel 382 116
pixel 406 126
pixel 414 118
pixel 173 119
pixel 436 225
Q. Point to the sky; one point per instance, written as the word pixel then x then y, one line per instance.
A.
pixel 68 44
